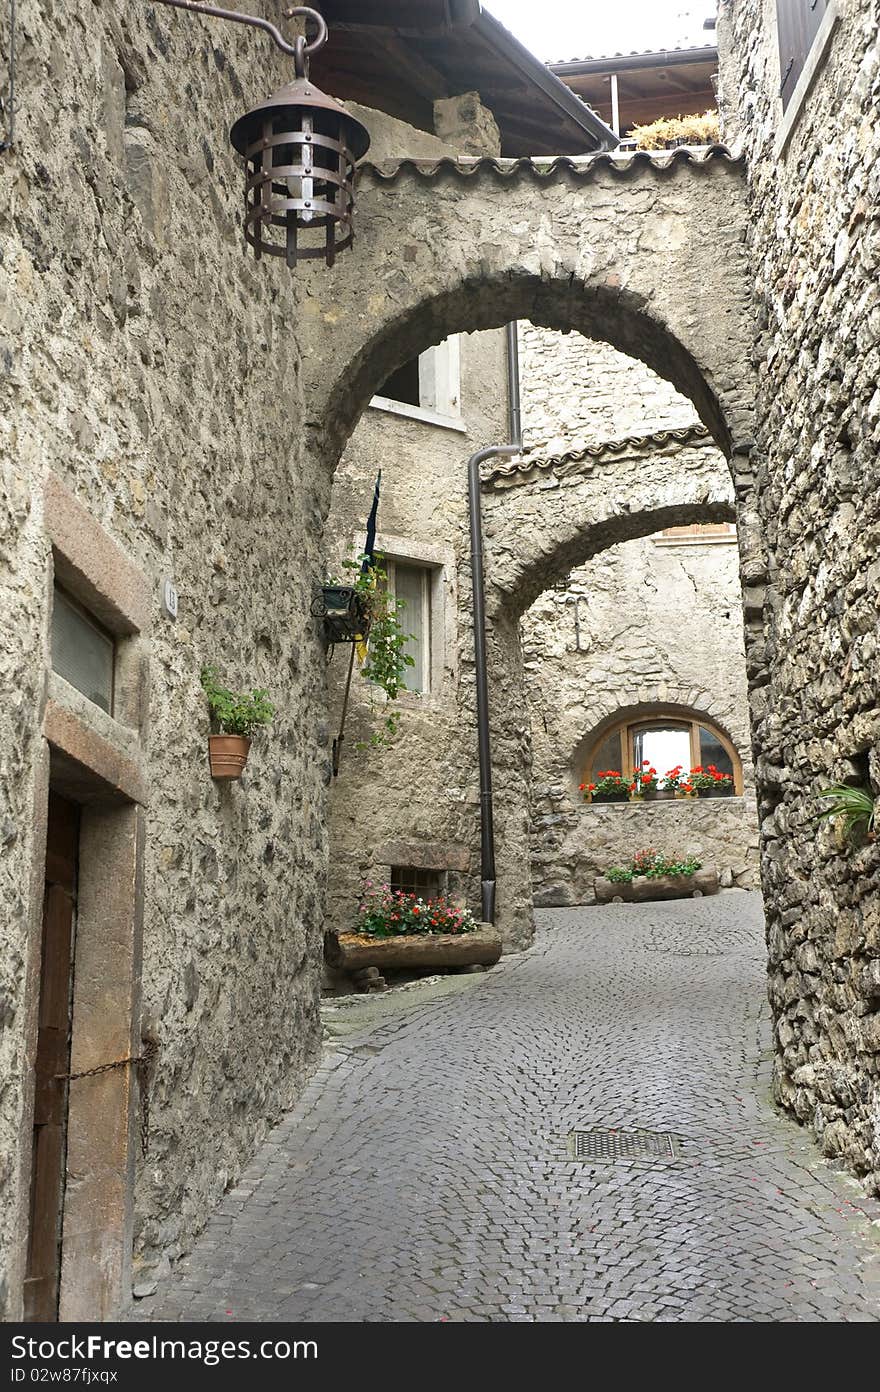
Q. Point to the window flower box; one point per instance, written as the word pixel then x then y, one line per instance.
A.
pixel 610 786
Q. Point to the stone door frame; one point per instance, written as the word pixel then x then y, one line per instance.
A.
pixel 96 761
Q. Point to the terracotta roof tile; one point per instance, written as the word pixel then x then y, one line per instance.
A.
pixel 466 166
pixel 696 435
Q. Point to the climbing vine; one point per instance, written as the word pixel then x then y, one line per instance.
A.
pixel 384 659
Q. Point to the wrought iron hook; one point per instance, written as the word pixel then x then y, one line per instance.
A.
pixel 299 50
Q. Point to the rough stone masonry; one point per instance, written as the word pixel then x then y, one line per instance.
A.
pixel 814 244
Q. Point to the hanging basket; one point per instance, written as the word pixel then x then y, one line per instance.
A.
pixel 344 613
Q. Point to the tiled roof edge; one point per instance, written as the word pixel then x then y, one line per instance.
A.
pixel 696 435
pixel 466 166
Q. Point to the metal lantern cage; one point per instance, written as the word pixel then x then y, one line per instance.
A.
pixel 300 148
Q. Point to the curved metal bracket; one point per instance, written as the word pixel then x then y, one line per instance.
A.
pixel 299 50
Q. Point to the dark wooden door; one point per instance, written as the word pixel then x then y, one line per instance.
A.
pixel 53 1057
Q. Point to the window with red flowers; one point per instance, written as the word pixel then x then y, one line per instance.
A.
pixel 665 738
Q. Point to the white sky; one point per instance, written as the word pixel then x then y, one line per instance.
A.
pixel 558 29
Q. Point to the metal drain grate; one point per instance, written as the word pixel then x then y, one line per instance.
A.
pixel 606 1144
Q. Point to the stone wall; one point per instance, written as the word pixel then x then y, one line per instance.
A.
pixel 814 240
pixel 156 369
pixel 578 391
pixel 659 621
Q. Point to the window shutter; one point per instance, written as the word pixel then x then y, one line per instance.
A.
pixel 798 23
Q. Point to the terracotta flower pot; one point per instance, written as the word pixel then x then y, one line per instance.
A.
pixel 228 755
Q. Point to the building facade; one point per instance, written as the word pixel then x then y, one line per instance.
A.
pixel 406 812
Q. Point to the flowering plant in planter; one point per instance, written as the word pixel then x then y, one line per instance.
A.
pixel 709 780
pixel 392 913
pixel 673 779
pixel 610 786
pixel 646 779
pixel 653 865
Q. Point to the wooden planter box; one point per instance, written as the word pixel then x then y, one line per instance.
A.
pixel 642 889
pixel 352 952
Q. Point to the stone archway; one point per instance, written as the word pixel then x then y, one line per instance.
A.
pixel 646 255
pixel 517 572
pixel 543 527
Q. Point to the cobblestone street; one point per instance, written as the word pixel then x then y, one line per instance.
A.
pixel 425 1173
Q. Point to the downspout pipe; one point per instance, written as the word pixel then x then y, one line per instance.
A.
pixel 475 511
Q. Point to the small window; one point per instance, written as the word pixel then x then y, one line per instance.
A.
pixel 608 755
pixel 412 584
pixel 430 382
pixel 798 23
pixel 670 738
pixel 403 385
pixel 714 751
pixel 413 880
pixel 82 652
pixel 662 744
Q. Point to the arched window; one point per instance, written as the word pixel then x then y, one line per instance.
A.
pixel 665 737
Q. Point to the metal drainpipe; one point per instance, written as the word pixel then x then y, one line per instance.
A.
pixel 487 823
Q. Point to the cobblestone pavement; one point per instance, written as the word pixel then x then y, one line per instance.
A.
pixel 425 1175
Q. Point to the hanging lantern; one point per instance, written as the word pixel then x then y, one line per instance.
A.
pixel 300 148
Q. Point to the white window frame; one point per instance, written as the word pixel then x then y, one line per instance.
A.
pixel 440 561
pixel 439 388
pixel 815 61
pixel 428 582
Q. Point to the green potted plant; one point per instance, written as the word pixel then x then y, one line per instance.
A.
pixel 236 717
pixel 386 661
pixel 856 810
pixel 610 786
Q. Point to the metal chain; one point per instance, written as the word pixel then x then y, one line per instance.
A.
pixel 143 1063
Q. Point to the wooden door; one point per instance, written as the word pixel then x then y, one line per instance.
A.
pixel 53 1057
